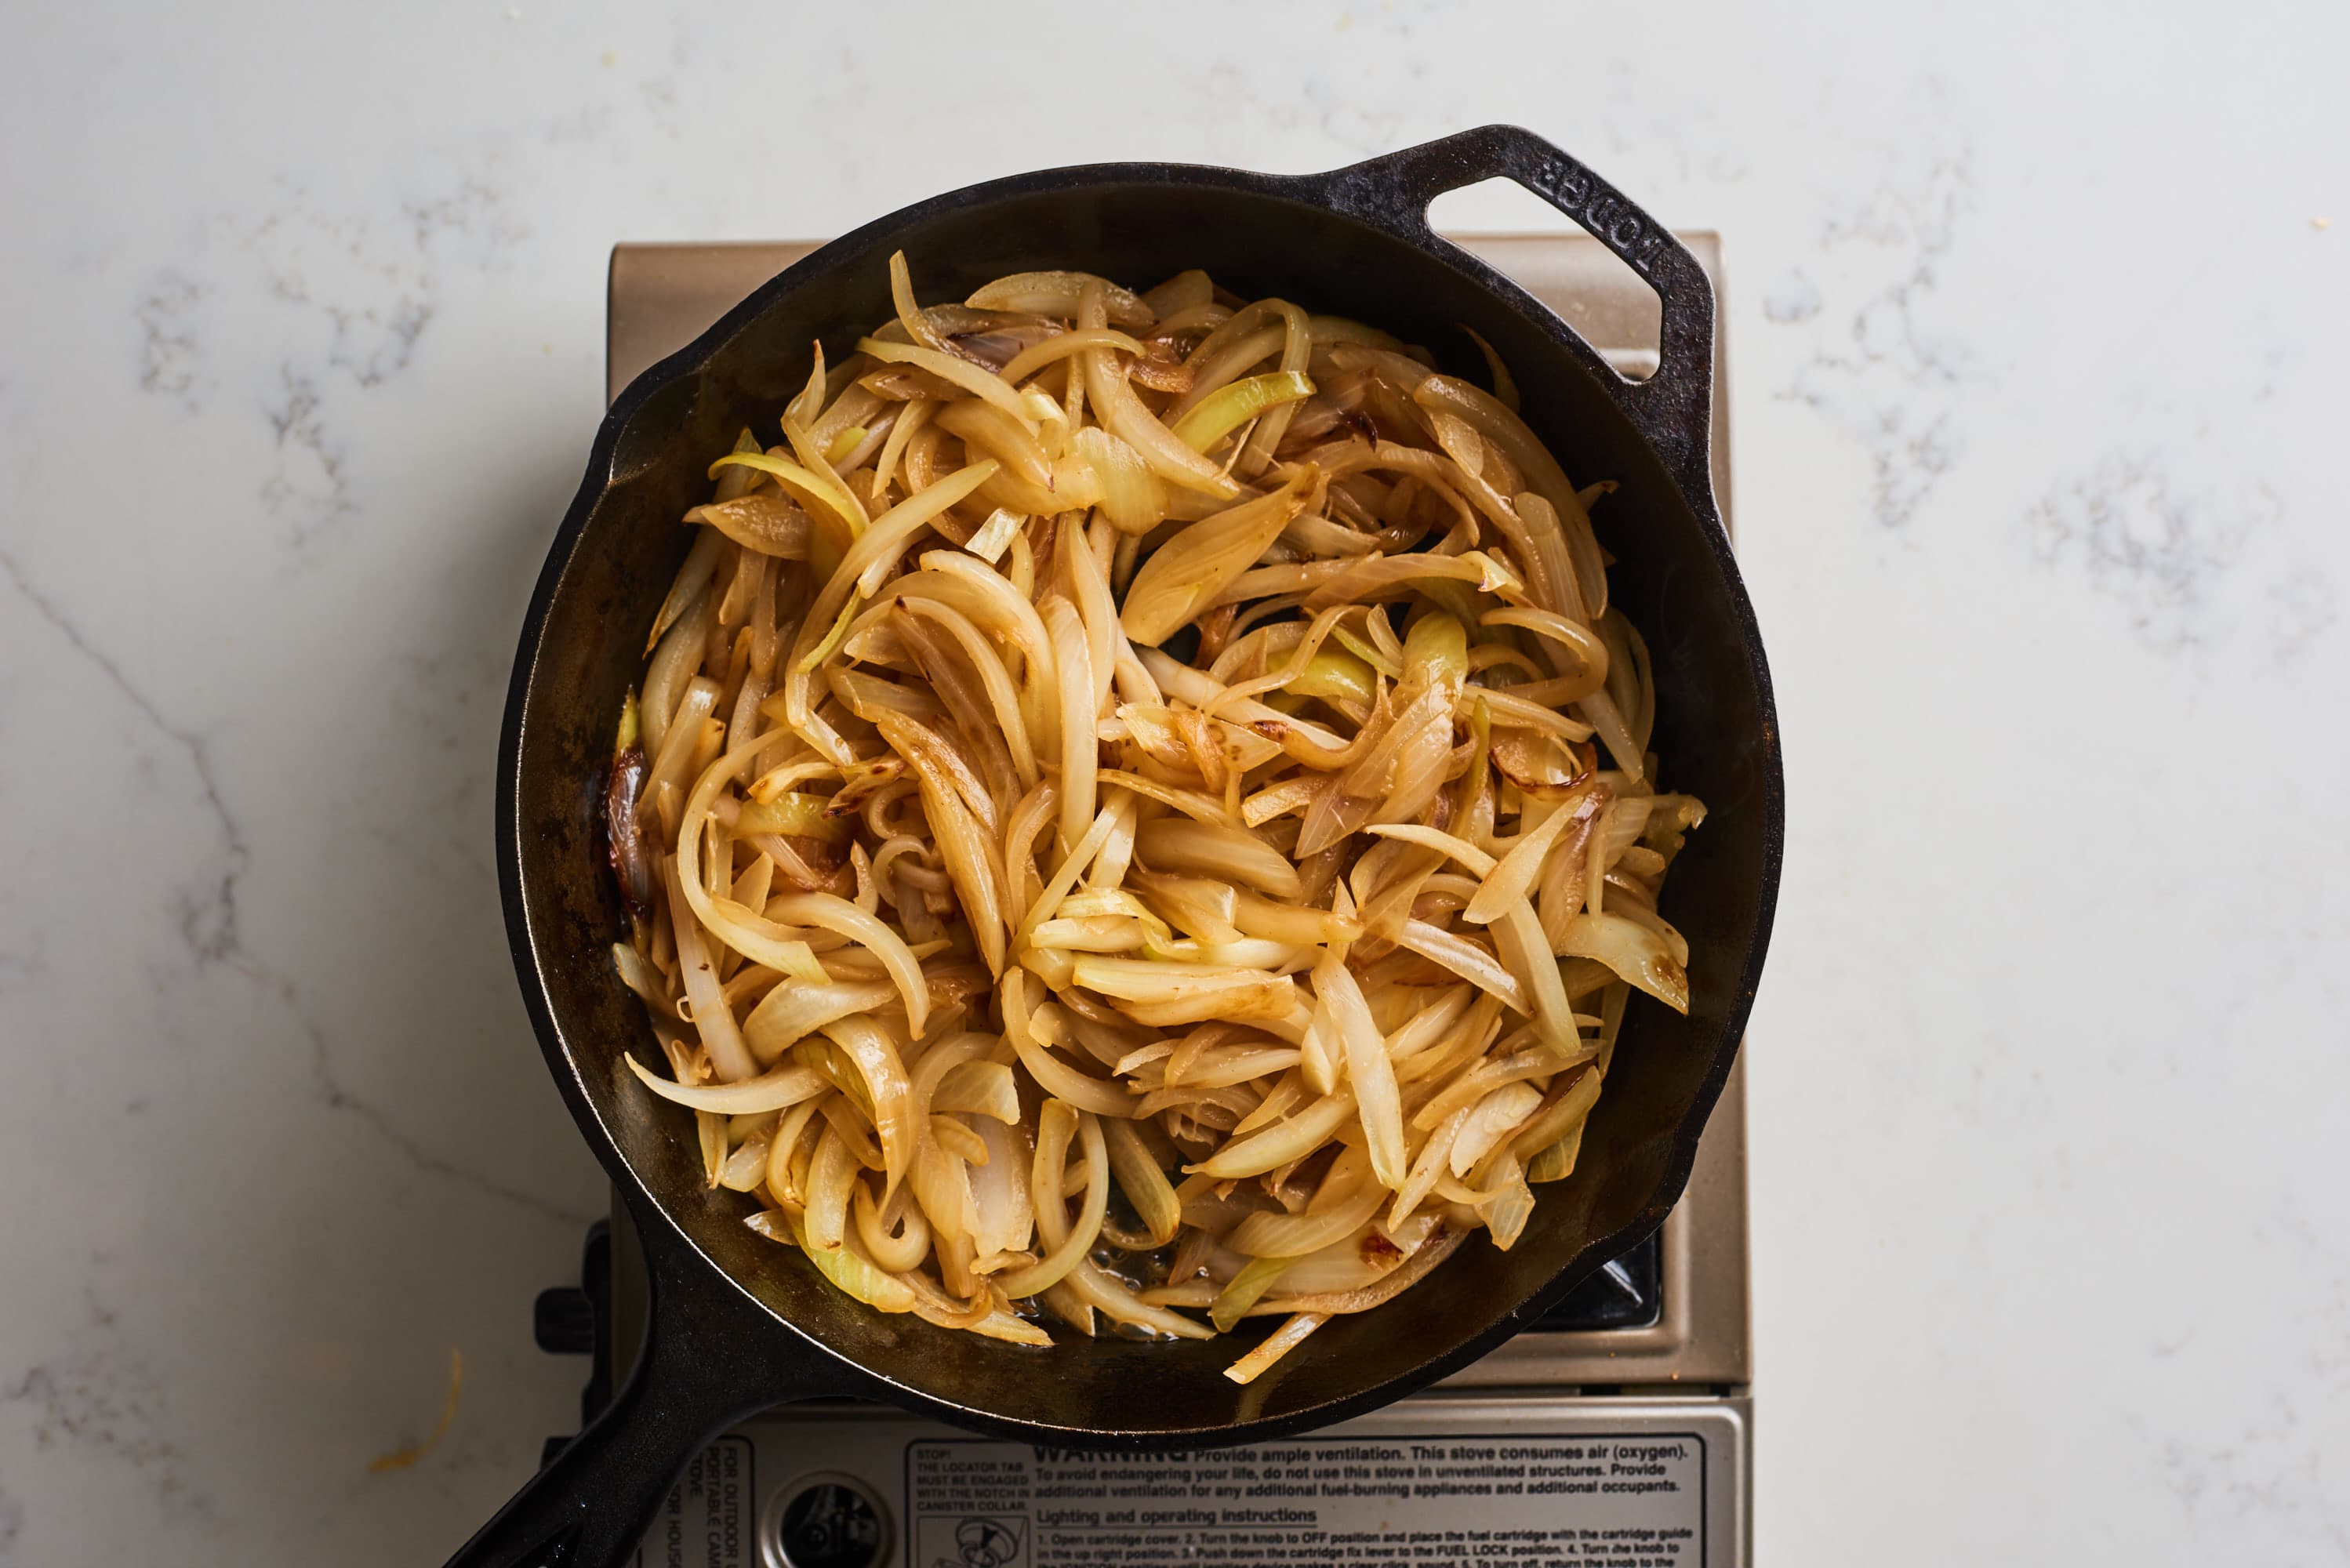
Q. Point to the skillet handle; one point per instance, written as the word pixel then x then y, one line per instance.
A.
pixel 1673 409
pixel 591 1506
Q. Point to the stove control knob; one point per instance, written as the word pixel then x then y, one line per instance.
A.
pixel 563 1322
pixel 831 1522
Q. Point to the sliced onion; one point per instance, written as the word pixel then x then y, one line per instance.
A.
pixel 1134 498
pixel 1056 294
pixel 1075 1240
pixel 1005 1219
pixel 1635 952
pixel 1490 1121
pixel 1368 1070
pixel 1178 580
pixel 978 1088
pixel 1438 1246
pixel 888 1089
pixel 1139 428
pixel 1467 960
pixel 957 371
pixel 759 522
pixel 1206 849
pixel 793 1011
pixel 1225 411
pixel 1276 1146
pixel 773 1090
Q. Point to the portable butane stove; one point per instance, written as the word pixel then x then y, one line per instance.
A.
pixel 1616 1431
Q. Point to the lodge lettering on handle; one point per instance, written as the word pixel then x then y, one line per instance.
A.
pixel 1583 194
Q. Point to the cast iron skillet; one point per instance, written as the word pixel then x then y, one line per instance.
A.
pixel 739 1325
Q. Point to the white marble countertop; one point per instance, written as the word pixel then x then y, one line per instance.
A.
pixel 2034 317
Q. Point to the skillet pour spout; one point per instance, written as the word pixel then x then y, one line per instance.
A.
pixel 738 1325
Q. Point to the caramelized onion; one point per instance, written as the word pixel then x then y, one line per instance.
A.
pixel 1114 739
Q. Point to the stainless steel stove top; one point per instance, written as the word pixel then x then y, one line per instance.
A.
pixel 1616 1432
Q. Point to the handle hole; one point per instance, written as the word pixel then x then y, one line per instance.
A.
pixel 1615 309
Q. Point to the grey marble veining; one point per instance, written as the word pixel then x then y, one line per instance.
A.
pixel 2036 394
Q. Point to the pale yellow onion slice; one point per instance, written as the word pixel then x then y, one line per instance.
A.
pixel 978 1088
pixel 1490 1121
pixel 1428 1022
pixel 1134 498
pixel 1056 1076
pixel 760 523
pixel 1073 665
pixel 1110 1296
pixel 847 1268
pixel 832 1176
pixel 1280 922
pixel 1011 710
pixel 1183 683
pixel 995 534
pixel 1368 574
pixel 824 500
pixel 1352 1262
pixel 1208 849
pixel 1168 994
pixel 1275 1235
pixel 909 312
pixel 1004 1214
pixel 1516 713
pixel 829 912
pixel 1243 1291
pixel 1221 355
pixel 714 1020
pixel 791 1012
pixel 977 380
pixel 1073 1240
pixel 773 1090
pixel 1515 875
pixel 1122 411
pixel 986 429
pixel 813 458
pixel 1145 1185
pixel 1182 575
pixel 1275 1345
pixel 1270 1148
pixel 1227 409
pixel 639 975
pixel 1097 608
pixel 1635 952
pixel 876 1057
pixel 1056 294
pixel 1518 936
pixel 808 402
pixel 1427 1166
pixel 968 854
pixel 1436 838
pixel 701 561
pixel 1607 720
pixel 1562 1117
pixel 1060 345
pixel 895 1235
pixel 1190 802
pixel 1368 1071
pixel 1467 960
